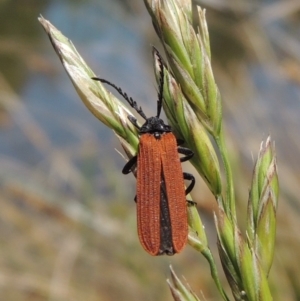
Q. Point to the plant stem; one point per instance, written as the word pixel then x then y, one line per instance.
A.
pixel 214 273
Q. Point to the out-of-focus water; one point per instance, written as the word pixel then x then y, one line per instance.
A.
pixel 105 35
pixel 113 40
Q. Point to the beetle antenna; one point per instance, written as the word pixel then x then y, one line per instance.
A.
pixel 161 82
pixel 132 103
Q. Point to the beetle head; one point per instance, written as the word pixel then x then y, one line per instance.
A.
pixel 154 125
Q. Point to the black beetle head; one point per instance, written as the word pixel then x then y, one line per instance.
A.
pixel 154 125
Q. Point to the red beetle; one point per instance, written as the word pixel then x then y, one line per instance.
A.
pixel 160 194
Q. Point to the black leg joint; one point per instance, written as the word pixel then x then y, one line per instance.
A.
pixel 128 168
pixel 185 151
pixel 190 177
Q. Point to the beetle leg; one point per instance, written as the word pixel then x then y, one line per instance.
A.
pixel 133 121
pixel 191 203
pixel 185 151
pixel 190 177
pixel 128 166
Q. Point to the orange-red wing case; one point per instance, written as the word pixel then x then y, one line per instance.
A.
pixel 148 193
pixel 174 182
pixel 158 165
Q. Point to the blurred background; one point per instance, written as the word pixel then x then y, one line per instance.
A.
pixel 67 215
